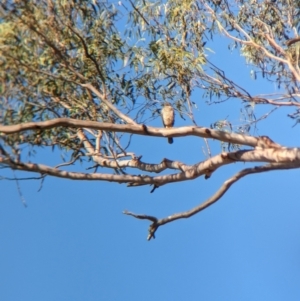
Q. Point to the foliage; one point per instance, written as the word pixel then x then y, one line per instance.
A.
pixel 51 48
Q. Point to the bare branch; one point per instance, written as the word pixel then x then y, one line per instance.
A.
pixel 187 172
pixel 141 216
pixel 20 192
pixel 133 129
pixel 68 163
pixel 156 223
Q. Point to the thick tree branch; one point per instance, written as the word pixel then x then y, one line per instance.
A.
pixel 133 129
pixel 187 172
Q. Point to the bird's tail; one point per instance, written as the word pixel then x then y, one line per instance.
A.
pixel 170 140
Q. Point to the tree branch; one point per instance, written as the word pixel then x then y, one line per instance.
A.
pixel 133 129
pixel 187 172
pixel 250 42
pixel 156 223
pixel 110 105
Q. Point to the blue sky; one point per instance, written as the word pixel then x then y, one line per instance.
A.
pixel 72 242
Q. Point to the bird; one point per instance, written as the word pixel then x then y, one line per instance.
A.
pixel 168 118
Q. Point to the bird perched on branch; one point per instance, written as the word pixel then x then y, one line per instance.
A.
pixel 168 117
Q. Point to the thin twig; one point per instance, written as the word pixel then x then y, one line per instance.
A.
pixel 19 191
